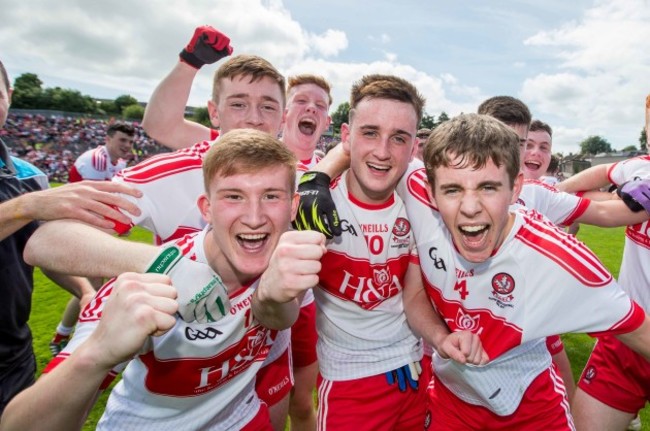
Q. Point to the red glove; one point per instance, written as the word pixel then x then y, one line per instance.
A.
pixel 207 46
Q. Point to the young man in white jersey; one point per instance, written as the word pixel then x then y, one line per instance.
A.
pixel 478 274
pixel 615 383
pixel 98 164
pixel 195 376
pixel 368 356
pixel 248 92
pixel 306 119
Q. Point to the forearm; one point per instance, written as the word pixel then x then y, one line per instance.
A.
pixel 13 216
pixel 590 179
pixel 275 315
pixel 334 163
pixel 420 314
pixel 164 116
pixel 611 213
pixel 78 286
pixel 41 406
pixel 69 247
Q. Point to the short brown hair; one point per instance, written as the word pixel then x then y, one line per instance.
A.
pixel 386 87
pixel 119 126
pixel 248 65
pixel 310 79
pixel 508 109
pixel 423 133
pixel 246 151
pixel 537 125
pixel 475 139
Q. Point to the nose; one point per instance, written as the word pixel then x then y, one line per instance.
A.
pixel 254 216
pixel 381 149
pixel 255 118
pixel 470 205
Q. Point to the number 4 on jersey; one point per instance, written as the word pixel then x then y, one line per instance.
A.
pixel 461 287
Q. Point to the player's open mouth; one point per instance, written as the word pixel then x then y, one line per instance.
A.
pixel 474 234
pixel 252 242
pixel 374 167
pixel 307 126
pixel 533 166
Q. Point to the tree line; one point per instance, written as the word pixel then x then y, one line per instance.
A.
pixel 30 94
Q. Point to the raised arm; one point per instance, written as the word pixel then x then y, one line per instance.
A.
pixel 92 202
pixel 164 117
pixel 141 305
pixel 293 268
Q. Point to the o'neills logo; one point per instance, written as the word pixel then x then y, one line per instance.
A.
pixel 590 373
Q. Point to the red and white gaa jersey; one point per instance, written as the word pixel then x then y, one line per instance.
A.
pixel 559 207
pixel 95 165
pixel 634 273
pixel 540 282
pixel 362 328
pixel 171 184
pixel 196 376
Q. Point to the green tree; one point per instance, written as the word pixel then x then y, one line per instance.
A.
pixel 133 112
pixel 340 116
pixel 202 116
pixel 123 101
pixel 629 148
pixel 61 99
pixel 28 92
pixel 427 122
pixel 441 119
pixel 643 141
pixel 107 107
pixel 595 145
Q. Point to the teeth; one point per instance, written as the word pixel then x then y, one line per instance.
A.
pixel 473 229
pixel 379 168
pixel 252 236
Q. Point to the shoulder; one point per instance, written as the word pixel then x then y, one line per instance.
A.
pixel 25 171
pixel 166 164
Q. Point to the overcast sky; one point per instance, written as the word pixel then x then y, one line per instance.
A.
pixel 583 66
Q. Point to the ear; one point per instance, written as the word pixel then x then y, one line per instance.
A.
pixel 430 193
pixel 516 188
pixel 204 207
pixel 214 114
pixel 345 137
pixel 295 201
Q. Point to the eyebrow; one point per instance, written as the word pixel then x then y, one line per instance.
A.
pixel 246 95
pixel 397 131
pixel 480 185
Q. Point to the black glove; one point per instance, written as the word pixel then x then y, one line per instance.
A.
pixel 635 194
pixel 407 375
pixel 207 46
pixel 316 210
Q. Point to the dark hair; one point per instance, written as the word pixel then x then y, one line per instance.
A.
pixel 553 165
pixel 388 87
pixel 507 109
pixel 125 128
pixel 537 125
pixel 5 77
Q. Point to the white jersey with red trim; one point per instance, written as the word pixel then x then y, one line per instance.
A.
pixel 634 273
pixel 171 184
pixel 95 164
pixel 362 328
pixel 559 207
pixel 540 282
pixel 196 376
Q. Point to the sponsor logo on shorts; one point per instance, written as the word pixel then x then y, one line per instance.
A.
pixel 590 373
pixel 427 420
pixel 277 388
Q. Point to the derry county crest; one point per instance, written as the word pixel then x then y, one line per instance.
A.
pixel 502 287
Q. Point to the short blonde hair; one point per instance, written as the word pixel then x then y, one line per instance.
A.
pixel 247 151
